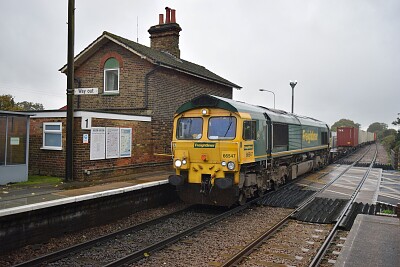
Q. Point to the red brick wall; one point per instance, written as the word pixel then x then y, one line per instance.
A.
pixel 131 88
pixel 167 90
pixel 42 161
pixel 52 162
pixel 109 168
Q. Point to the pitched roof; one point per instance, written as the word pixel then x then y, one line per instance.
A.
pixel 161 58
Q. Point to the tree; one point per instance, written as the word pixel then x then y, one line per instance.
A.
pixel 25 105
pixel 344 123
pixel 7 102
pixel 377 127
pixel 389 132
pixel 397 121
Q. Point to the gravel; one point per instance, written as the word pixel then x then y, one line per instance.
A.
pixel 32 251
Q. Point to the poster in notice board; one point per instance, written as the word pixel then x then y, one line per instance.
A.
pixel 97 143
pixel 112 142
pixel 125 142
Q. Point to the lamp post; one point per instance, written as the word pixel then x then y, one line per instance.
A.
pixel 293 84
pixel 265 90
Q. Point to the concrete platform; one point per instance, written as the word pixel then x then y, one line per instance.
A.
pixel 389 188
pixel 373 241
pixel 16 199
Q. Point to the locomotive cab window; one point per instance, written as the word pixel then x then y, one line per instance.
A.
pixel 249 130
pixel 221 128
pixel 189 128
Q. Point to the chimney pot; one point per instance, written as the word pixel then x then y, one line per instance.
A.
pixel 161 19
pixel 167 15
pixel 173 16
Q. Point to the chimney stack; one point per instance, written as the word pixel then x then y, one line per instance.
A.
pixel 173 20
pixel 167 15
pixel 165 35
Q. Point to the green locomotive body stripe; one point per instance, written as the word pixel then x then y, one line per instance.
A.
pixel 204 145
pixel 290 152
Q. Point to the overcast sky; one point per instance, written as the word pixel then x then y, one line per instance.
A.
pixel 345 54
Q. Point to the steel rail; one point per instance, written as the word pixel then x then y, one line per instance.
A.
pixel 137 255
pixel 235 259
pixel 57 255
pixel 321 252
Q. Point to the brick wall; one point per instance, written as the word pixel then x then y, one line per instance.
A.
pixel 167 90
pixel 133 69
pixel 52 162
pixel 42 161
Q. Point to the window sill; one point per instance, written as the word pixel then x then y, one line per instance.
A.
pixel 111 93
pixel 50 148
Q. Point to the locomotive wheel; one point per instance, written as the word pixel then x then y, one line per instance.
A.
pixel 260 192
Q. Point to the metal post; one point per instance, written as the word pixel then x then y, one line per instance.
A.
pixel 293 84
pixel 69 167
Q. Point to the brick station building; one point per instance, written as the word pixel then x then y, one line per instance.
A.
pixel 127 125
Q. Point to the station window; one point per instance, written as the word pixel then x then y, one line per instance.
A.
pixel 111 76
pixel 249 130
pixel 52 135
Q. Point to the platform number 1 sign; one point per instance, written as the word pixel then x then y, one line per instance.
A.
pixel 86 123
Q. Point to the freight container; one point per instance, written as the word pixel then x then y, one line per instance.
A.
pixel 362 137
pixel 333 140
pixel 371 137
pixel 347 136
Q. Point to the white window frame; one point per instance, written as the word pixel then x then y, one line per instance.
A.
pixel 53 132
pixel 110 92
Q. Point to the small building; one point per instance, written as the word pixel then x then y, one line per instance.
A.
pixel 129 88
pixel 14 147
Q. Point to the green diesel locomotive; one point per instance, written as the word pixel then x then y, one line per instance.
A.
pixel 226 151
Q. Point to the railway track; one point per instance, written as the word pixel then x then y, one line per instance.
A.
pixel 281 245
pixel 271 223
pixel 103 250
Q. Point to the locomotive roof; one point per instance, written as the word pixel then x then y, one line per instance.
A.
pixel 258 112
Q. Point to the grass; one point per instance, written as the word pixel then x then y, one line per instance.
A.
pixel 37 180
pixel 387 212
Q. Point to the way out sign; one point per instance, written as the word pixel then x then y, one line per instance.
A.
pixel 86 91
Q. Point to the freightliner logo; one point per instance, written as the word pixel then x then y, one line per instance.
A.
pixel 204 145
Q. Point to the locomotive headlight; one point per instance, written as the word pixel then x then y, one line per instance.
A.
pixel 223 163
pixel 231 165
pixel 205 112
pixel 178 163
pixel 184 161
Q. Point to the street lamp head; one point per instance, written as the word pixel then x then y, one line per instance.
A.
pixel 265 90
